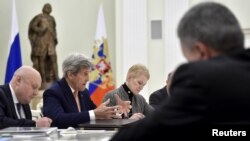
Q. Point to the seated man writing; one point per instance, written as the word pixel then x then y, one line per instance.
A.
pixel 15 98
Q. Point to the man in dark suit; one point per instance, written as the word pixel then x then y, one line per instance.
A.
pixel 67 102
pixel 209 95
pixel 16 96
pixel 160 95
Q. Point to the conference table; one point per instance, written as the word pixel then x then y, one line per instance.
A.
pixel 106 124
pixel 98 130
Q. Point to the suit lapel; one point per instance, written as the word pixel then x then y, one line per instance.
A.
pixel 68 95
pixel 82 102
pixel 8 94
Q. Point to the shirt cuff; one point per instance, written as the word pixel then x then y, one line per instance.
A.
pixel 91 115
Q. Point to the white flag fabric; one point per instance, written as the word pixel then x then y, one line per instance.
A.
pixel 14 59
pixel 100 29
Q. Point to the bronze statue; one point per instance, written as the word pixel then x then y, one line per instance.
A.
pixel 43 40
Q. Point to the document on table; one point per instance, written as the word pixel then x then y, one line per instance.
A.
pixel 27 132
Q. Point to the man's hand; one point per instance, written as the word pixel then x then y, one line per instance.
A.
pixel 105 112
pixel 43 122
pixel 124 106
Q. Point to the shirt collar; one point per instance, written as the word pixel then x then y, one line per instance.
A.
pixel 13 95
pixel 72 90
pixel 128 91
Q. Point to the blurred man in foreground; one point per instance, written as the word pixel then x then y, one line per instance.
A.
pixel 212 90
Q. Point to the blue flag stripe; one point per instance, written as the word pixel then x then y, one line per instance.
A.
pixel 14 60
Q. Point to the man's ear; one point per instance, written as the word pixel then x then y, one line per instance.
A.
pixel 204 51
pixel 17 80
pixel 69 75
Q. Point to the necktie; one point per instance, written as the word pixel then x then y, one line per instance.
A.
pixel 77 100
pixel 18 105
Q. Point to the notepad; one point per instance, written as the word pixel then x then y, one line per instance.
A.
pixel 28 131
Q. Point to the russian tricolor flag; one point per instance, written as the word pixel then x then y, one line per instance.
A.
pixel 14 59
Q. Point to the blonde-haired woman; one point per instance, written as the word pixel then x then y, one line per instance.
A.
pixel 137 78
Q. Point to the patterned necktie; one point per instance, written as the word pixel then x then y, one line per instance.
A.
pixel 18 105
pixel 77 100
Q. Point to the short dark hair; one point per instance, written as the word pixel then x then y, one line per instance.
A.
pixel 212 24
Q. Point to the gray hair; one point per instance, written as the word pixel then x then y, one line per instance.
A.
pixel 74 63
pixel 212 24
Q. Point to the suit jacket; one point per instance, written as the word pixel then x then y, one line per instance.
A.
pixel 139 104
pixel 204 95
pixel 157 97
pixel 59 104
pixel 8 116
